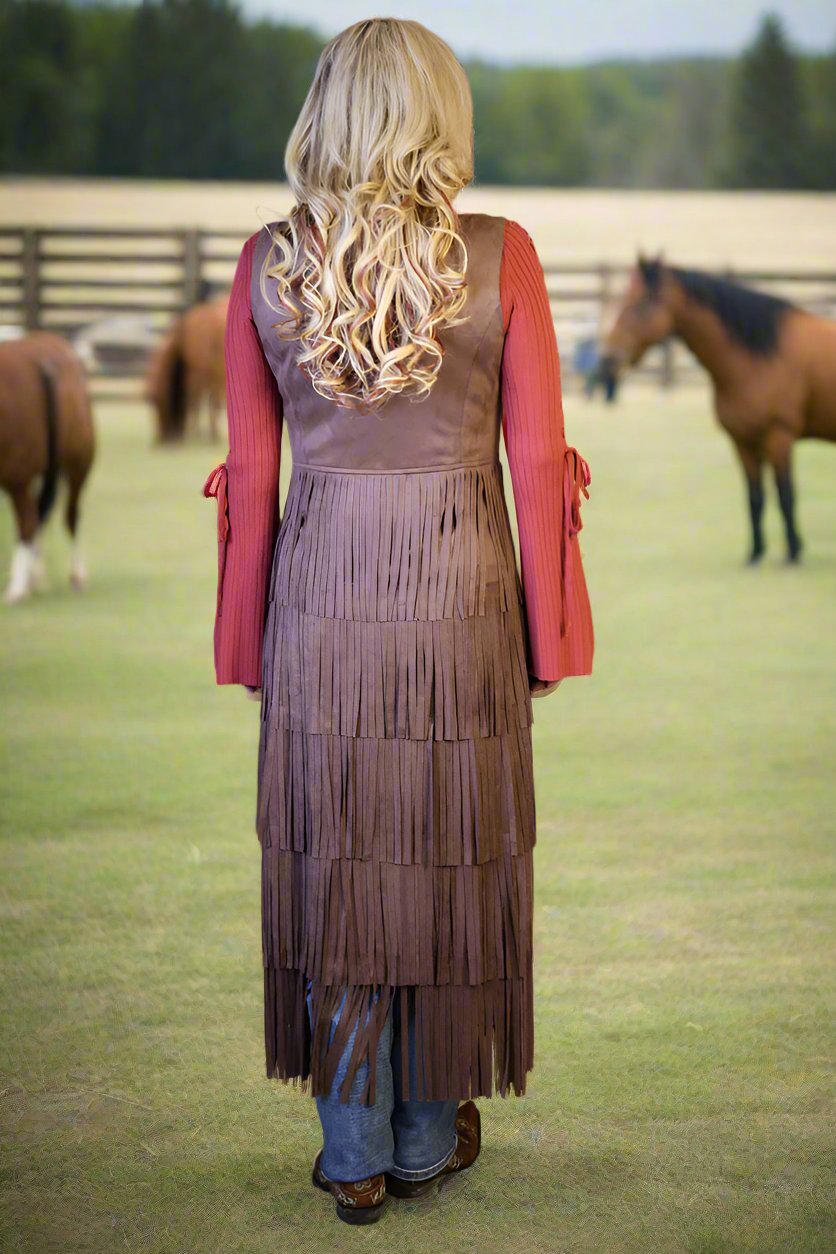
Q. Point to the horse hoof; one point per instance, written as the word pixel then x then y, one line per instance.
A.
pixel 754 559
pixel 78 580
pixel 38 578
pixel 14 596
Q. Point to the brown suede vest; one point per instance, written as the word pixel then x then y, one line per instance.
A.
pixel 457 424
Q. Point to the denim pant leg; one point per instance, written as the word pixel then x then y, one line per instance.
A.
pixel 357 1139
pixel 424 1132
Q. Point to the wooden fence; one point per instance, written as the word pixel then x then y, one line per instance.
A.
pixel 130 283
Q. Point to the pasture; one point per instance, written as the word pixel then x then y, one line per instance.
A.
pixel 707 229
pixel 682 1098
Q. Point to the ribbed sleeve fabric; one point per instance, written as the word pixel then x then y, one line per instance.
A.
pixel 544 474
pixel 254 416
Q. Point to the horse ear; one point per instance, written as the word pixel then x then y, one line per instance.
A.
pixel 635 283
pixel 645 265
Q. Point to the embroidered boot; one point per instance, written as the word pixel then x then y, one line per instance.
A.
pixel 358 1202
pixel 468 1144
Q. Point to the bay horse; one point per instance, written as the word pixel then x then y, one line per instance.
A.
pixel 46 433
pixel 188 366
pixel 772 366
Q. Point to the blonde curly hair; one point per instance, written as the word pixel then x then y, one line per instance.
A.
pixel 370 265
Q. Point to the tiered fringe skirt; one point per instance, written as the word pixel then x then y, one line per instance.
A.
pixel 395 790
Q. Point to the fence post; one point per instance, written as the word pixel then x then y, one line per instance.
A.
pixel 30 260
pixel 192 266
pixel 667 379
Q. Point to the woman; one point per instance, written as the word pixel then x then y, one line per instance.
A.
pixel 383 625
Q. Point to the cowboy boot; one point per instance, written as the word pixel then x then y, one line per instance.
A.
pixel 468 1144
pixel 358 1202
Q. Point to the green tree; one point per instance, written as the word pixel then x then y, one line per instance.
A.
pixel 820 78
pixel 680 147
pixel 769 135
pixel 170 108
pixel 529 128
pixel 620 116
pixel 40 125
pixel 280 62
pixel 188 89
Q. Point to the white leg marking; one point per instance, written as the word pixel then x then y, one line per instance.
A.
pixel 21 575
pixel 78 568
pixel 38 577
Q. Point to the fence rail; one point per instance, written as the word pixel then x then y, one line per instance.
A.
pixel 76 279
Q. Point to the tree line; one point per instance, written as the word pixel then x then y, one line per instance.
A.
pixel 190 89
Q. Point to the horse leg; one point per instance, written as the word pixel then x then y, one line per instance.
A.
pixel 76 476
pixel 26 568
pixel 751 462
pixel 778 445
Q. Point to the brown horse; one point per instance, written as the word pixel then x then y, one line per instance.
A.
pixel 46 431
pixel 772 365
pixel 188 366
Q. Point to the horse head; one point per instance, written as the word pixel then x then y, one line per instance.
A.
pixel 644 318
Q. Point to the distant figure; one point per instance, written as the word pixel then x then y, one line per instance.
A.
pixel 587 363
pixel 773 367
pixel 46 431
pixel 187 368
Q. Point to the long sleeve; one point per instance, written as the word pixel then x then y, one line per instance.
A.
pixel 246 486
pixel 547 477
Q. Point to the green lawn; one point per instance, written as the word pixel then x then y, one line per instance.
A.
pixel 682 1097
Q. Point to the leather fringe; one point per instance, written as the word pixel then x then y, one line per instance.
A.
pixel 433 802
pixel 443 679
pixel 395 791
pixel 471 1040
pixel 344 921
pixel 396 547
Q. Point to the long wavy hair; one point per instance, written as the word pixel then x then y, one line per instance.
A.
pixel 369 267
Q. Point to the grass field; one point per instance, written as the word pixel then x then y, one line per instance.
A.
pixel 682 1098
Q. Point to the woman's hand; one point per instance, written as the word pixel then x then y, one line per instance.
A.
pixel 254 694
pixel 541 687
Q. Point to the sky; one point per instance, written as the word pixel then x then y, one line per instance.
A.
pixel 555 32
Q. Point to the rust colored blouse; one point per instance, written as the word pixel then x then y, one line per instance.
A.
pixel 548 478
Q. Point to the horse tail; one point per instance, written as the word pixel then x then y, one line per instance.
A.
pixel 177 393
pixel 166 384
pixel 49 484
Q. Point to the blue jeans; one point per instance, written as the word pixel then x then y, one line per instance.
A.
pixel 410 1139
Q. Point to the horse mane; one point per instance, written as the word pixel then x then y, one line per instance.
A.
pixel 750 317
